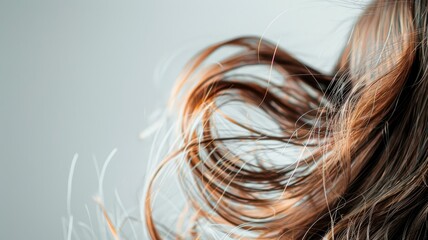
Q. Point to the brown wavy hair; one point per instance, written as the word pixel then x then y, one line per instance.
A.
pixel 361 135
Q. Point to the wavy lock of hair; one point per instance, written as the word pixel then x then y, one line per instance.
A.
pixel 362 133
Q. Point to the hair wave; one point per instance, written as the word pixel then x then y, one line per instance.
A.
pixel 362 133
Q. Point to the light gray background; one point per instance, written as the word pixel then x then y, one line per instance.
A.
pixel 83 76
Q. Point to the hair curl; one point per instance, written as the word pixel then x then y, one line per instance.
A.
pixel 362 133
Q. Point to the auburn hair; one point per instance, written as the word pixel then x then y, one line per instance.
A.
pixel 359 134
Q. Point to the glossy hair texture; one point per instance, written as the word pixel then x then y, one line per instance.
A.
pixel 361 133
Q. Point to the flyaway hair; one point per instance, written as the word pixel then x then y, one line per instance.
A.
pixel 360 136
